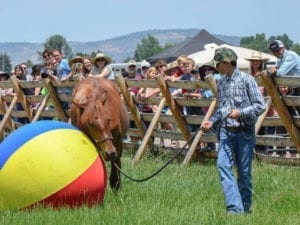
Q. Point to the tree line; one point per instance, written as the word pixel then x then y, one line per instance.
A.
pixel 149 46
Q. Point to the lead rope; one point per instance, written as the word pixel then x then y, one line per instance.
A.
pixel 161 168
pixel 169 161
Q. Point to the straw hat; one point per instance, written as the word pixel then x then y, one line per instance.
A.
pixel 171 67
pixel 100 55
pixel 75 59
pixel 256 56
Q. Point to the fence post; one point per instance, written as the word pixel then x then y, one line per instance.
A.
pixel 56 102
pixel 21 97
pixel 213 86
pixel 7 114
pixel 149 131
pixel 199 134
pixel 176 112
pixel 263 116
pixel 130 104
pixel 283 112
pixel 4 109
pixel 40 108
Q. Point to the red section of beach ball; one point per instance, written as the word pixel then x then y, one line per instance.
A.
pixel 88 189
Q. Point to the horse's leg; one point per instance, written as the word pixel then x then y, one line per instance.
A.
pixel 115 178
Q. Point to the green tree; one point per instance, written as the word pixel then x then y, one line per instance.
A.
pixel 296 48
pixel 5 63
pixel 260 43
pixel 90 55
pixel 147 47
pixel 257 42
pixel 59 42
pixel 29 63
pixel 93 54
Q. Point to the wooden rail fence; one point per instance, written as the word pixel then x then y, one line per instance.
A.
pixel 290 140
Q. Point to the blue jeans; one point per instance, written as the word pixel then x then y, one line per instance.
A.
pixel 236 148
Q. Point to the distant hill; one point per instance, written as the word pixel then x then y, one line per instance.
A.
pixel 118 48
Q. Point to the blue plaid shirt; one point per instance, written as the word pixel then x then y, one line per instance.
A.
pixel 239 91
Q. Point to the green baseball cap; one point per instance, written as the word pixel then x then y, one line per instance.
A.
pixel 224 54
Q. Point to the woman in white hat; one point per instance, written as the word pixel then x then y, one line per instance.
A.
pixel 256 66
pixel 101 68
pixel 256 63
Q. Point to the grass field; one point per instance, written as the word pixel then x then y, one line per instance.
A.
pixel 179 195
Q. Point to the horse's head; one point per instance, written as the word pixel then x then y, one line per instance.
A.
pixel 95 121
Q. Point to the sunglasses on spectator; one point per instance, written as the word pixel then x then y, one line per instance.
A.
pixel 145 67
pixel 208 69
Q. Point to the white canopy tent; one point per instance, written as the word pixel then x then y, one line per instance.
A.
pixel 207 55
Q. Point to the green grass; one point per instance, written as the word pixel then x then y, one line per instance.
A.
pixel 179 195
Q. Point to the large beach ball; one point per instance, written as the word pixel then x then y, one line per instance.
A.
pixel 50 163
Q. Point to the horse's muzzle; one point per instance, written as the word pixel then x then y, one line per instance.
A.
pixel 111 156
pixel 108 149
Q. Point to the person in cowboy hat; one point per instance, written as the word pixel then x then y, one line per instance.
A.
pixel 257 63
pixel 76 65
pixel 172 69
pixel 101 68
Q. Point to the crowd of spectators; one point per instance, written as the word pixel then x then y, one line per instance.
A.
pixel 55 66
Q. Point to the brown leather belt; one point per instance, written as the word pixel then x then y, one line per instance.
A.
pixel 233 129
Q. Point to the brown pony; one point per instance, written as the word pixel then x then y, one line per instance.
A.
pixel 98 110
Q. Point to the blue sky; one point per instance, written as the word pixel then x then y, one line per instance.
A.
pixel 94 20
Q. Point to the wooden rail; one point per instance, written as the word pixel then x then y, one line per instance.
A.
pixel 9 114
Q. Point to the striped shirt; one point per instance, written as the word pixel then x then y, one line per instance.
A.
pixel 239 91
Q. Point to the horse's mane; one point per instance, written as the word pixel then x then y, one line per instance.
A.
pixel 93 109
